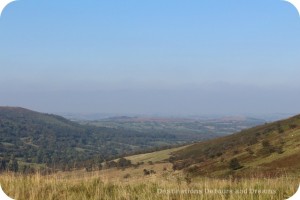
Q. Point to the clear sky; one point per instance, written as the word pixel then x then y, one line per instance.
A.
pixel 151 57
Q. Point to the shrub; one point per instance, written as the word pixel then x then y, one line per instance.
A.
pixel 148 172
pixel 150 162
pixel 234 164
pixel 293 126
pixel 266 143
pixel 279 150
pixel 111 164
pixel 123 163
pixel 267 148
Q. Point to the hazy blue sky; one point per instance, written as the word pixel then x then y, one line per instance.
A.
pixel 158 56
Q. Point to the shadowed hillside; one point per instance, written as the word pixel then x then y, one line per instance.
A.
pixel 32 137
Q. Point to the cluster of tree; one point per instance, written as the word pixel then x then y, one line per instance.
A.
pixel 121 163
pixel 98 164
pixel 12 165
pixel 9 165
pixel 268 148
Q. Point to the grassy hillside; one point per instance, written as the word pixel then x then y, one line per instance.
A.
pixel 268 150
pixel 157 156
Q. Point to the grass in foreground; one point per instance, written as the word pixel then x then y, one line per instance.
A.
pixel 93 186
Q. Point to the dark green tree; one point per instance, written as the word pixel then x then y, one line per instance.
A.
pixel 3 165
pixel 123 163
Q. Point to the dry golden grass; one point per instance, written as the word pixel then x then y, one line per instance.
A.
pixel 164 185
pixel 154 156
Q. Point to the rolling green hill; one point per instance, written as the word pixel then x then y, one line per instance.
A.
pixel 267 150
pixel 185 129
pixel 32 137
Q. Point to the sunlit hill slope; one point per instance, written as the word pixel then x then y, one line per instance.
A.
pixel 267 150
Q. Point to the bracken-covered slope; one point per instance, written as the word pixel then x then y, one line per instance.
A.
pixel 267 150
